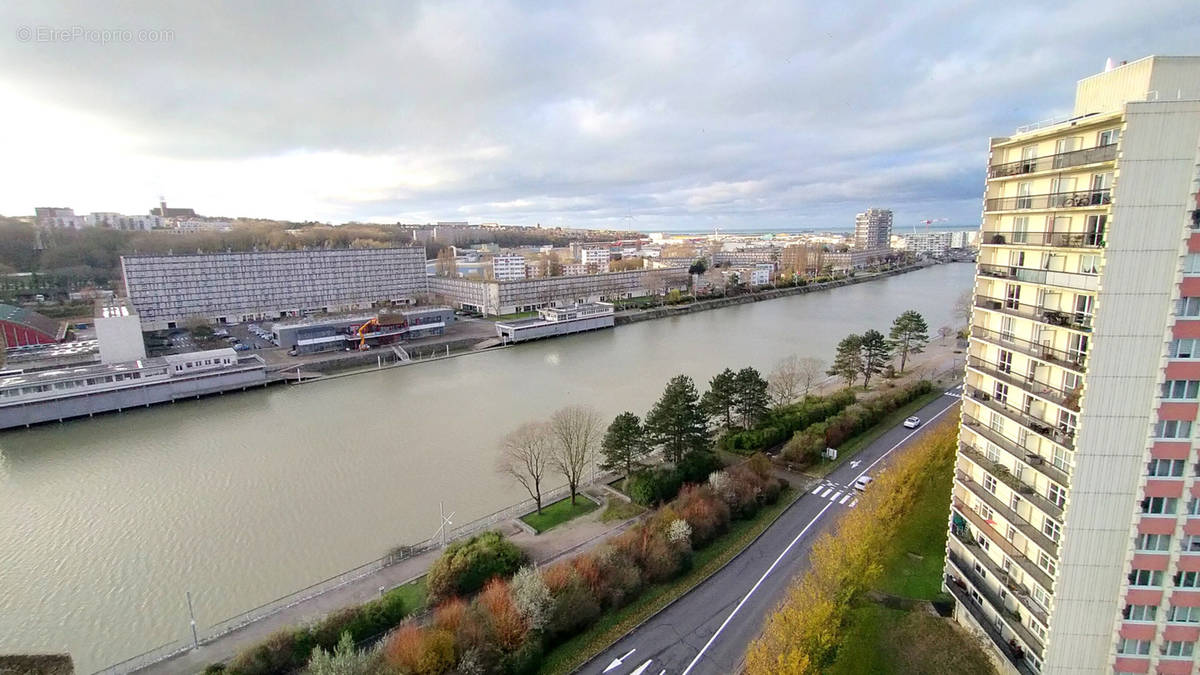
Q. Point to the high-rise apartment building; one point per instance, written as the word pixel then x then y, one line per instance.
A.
pixel 873 229
pixel 1075 520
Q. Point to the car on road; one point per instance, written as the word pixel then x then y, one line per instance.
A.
pixel 241 347
pixel 912 422
pixel 862 482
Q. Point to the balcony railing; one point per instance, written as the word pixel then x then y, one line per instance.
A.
pixel 1061 436
pixel 1062 160
pixel 1051 200
pixel 1010 549
pixel 960 575
pixel 1013 448
pixel 1053 316
pixel 1062 397
pixel 1062 239
pixel 1033 534
pixel 1019 590
pixel 1028 492
pixel 1073 280
pixel 1076 361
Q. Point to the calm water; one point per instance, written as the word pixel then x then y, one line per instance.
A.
pixel 104 523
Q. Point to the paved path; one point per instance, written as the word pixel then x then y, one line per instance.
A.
pixel 567 539
pixel 709 629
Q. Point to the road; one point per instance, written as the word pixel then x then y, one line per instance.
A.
pixel 708 629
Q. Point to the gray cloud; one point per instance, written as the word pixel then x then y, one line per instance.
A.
pixel 686 115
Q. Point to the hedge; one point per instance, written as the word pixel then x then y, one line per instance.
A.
pixel 661 484
pixel 467 564
pixel 781 423
pixel 807 445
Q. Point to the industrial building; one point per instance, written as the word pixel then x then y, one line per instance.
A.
pixel 1074 542
pixel 21 327
pixel 526 295
pixel 320 334
pixel 555 321
pixel 169 290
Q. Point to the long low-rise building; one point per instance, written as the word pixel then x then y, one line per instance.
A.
pixel 312 335
pixel 526 295
pixel 58 394
pixel 555 321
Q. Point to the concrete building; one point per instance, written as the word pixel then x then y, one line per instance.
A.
pixel 746 257
pixel 118 221
pixel 594 259
pixel 555 321
pixel 59 217
pixel 168 290
pixel 1074 540
pixel 119 332
pixel 332 333
pixel 929 243
pixel 527 295
pixel 194 226
pixel 873 229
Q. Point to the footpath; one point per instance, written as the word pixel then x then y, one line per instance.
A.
pixel 577 535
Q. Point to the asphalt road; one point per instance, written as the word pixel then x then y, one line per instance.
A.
pixel 709 629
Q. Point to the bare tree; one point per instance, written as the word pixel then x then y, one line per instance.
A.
pixel 785 381
pixel 576 436
pixel 945 332
pixel 525 454
pixel 811 368
pixel 963 305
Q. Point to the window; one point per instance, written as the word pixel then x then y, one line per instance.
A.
pixel 1047 563
pixel 1041 597
pixel 1183 348
pixel 1165 468
pixel 1188 307
pixel 1190 543
pixel 1007 331
pixel 1107 137
pixel 1014 503
pixel 1181 390
pixel 1010 533
pixel 1184 614
pixel 1131 646
pixel 1145 578
pixel 1191 264
pixel 1089 264
pixel 1069 144
pixel 1004 361
pixel 989 483
pixel 1173 429
pixel 1140 612
pixel 1051 529
pixel 1187 579
pixel 1056 494
pixel 985 511
pixel 992 452
pixel 1193 507
pixel 1177 648
pixel 1024 200
pixel 983 543
pixel 1012 297
pixel 1094 230
pixel 1157 506
pixel 1067 421
pixel 1000 393
pixel 1152 542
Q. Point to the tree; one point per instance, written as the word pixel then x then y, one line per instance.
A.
pixel 752 398
pixel 720 401
pixel 576 432
pixel 810 369
pixel 848 362
pixel 525 455
pixel 676 422
pixel 785 381
pixel 945 332
pixel 345 659
pixel 875 353
pixel 698 267
pixel 909 335
pixel 963 305
pixel 624 444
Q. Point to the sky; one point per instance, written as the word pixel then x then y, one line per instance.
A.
pixel 681 116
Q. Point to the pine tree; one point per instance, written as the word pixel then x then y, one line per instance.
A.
pixel 720 401
pixel 752 397
pixel 875 353
pixel 676 422
pixel 848 362
pixel 624 444
pixel 909 335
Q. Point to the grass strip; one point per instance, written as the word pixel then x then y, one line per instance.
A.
pixel 559 512
pixel 852 446
pixel 612 626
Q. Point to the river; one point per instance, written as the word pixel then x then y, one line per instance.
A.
pixel 106 522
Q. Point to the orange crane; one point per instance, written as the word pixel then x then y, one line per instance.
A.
pixel 362 333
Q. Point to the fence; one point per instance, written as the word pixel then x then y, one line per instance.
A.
pixel 398 554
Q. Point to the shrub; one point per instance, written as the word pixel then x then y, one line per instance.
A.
pixel 783 421
pixel 468 564
pixel 572 603
pixel 704 510
pixel 694 468
pixel 531 597
pixel 509 626
pixel 276 654
pixel 807 445
pixel 653 485
pixel 449 615
pixel 412 650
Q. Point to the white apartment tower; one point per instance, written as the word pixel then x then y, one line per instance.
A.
pixel 873 229
pixel 1074 541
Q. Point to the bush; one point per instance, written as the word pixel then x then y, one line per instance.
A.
pixel 572 604
pixel 468 564
pixel 412 650
pixel 806 446
pixel 653 485
pixel 694 468
pixel 276 654
pixel 782 422
pixel 705 511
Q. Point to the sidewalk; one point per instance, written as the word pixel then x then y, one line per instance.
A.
pixel 577 535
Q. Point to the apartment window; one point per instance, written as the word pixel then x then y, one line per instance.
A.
pixel 1041 597
pixel 1178 648
pixel 1006 328
pixel 1051 529
pixel 1089 264
pixel 1190 543
pixel 1157 506
pixel 1107 137
pixel 1014 503
pixel 1012 296
pixel 1094 230
pixel 983 543
pixel 1010 533
pixel 1027 404
pixel 1067 421
pixel 1131 646
pixel 1165 468
pixel 1152 542
pixel 1140 612
pixel 1188 307
pixel 1173 429
pixel 1047 563
pixel 1071 381
pixel 1187 579
pixel 1181 390
pixel 1191 264
pixel 1020 225
pixel 985 511
pixel 1069 144
pixel 1056 494
pixel 1184 615
pixel 1024 200
pixel 1004 361
pixel 996 422
pixel 1193 507
pixel 989 483
pixel 992 452
pixel 1145 578
pixel 1184 348
pixel 1000 392
pixel 1061 460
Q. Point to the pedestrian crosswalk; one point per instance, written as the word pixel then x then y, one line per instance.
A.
pixel 835 493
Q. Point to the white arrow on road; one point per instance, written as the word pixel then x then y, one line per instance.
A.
pixel 642 668
pixel 617 662
pixel 854 463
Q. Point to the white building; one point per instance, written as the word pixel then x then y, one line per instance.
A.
pixel 59 217
pixel 119 332
pixel 873 229
pixel 192 226
pixel 118 221
pixel 508 267
pixel 760 275
pixel 594 259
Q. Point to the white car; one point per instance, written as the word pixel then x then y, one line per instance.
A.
pixel 862 482
pixel 912 422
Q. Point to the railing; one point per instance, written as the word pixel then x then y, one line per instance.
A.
pixel 1052 200
pixel 1055 317
pixel 961 575
pixel 1026 528
pixel 1062 397
pixel 1063 239
pixel 1038 574
pixel 1030 458
pixel 1062 160
pixel 1076 361
pixel 1073 280
pixel 1019 590
pixel 1028 492
pixel 1063 437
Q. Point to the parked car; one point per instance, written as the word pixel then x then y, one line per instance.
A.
pixel 912 422
pixel 241 347
pixel 862 482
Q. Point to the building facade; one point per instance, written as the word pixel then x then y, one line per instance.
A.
pixel 118 221
pixel 59 217
pixel 168 290
pixel 21 327
pixel 873 229
pixel 508 267
pixel 1074 540
pixel 526 295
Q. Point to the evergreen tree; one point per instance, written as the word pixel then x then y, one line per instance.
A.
pixel 624 444
pixel 875 353
pixel 676 422
pixel 909 335
pixel 720 401
pixel 752 397
pixel 848 363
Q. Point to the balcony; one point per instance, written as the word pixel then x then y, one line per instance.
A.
pixel 1028 492
pixel 1051 200
pixel 1032 459
pixel 1055 317
pixel 1010 549
pixel 1009 582
pixel 1061 436
pixel 1056 239
pixel 1062 160
pixel 1072 280
pixel 1075 361
pixel 958 581
pixel 1066 398
pixel 993 502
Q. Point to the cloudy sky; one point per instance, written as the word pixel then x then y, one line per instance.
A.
pixel 655 115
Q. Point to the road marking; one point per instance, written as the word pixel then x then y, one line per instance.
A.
pixel 617 662
pixel 826 493
pixel 854 463
pixel 836 495
pixel 848 496
pixel 804 531
pixel 853 503
pixel 818 488
pixel 642 668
